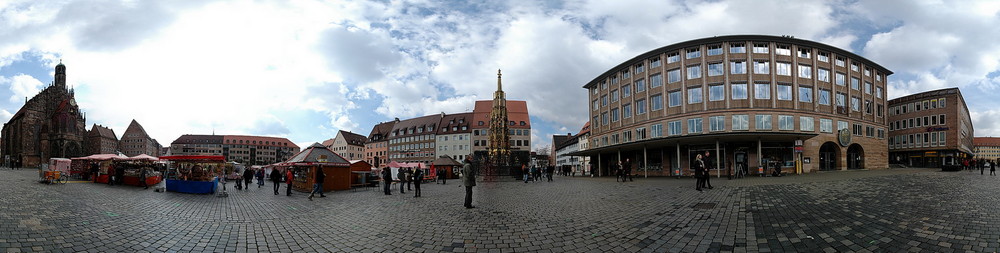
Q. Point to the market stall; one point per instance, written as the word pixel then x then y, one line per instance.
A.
pixel 448 165
pixel 316 157
pixel 84 166
pixel 194 174
pixel 134 166
pixel 361 172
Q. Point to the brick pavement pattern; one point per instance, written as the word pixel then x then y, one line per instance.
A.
pixel 894 210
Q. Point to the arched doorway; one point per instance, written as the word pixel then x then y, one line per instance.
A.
pixel 855 157
pixel 828 156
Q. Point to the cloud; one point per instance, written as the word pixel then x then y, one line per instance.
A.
pixel 22 86
pixel 270 125
pixel 358 55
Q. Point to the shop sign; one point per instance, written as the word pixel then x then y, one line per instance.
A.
pixel 798 149
pixel 932 129
pixel 844 137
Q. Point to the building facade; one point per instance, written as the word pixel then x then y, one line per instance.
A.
pixel 986 148
pixel 350 146
pixel 413 140
pixel 101 140
pixel 930 129
pixel 135 141
pixel 454 137
pixel 250 150
pixel 564 147
pixel 519 128
pixel 583 143
pixel 49 125
pixel 748 100
pixel 377 147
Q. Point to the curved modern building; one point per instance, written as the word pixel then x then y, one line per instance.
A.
pixel 747 100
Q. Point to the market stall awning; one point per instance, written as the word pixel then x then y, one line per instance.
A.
pixel 316 154
pixel 445 161
pixel 197 158
pixel 100 157
pixel 395 164
pixel 142 157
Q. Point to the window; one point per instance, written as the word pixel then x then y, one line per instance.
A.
pixel 878 77
pixel 855 83
pixel 715 69
pixel 675 98
pixel 627 90
pixel 737 48
pixel 654 62
pixel 604 118
pixel 717 123
pixel 868 106
pixel 694 95
pixel 805 52
pixel 673 57
pixel 694 125
pixel 783 68
pixel 715 50
pixel 823 74
pixel 716 92
pixel 614 115
pixel 786 122
pixel 854 66
pixel 604 100
pixel 941 119
pixel 941 136
pixel 761 67
pixel 841 99
pixel 941 102
pixel 655 102
pixel 878 94
pixel 693 53
pixel 760 48
pixel 826 125
pixel 656 130
pixel 823 57
pixel 614 96
pixel 782 50
pixel 841 125
pixel 627 111
pixel 868 72
pixel 738 67
pixel 741 122
pixel 639 68
pixel 640 133
pixel 868 88
pixel 614 79
pixel 655 81
pixel 640 107
pixel 694 71
pixel 824 97
pixel 805 71
pixel 762 91
pixel 840 61
pixel 673 75
pixel 739 90
pixel 674 127
pixel 640 86
pixel 762 122
pixel 841 79
pixel 805 94
pixel 856 104
pixel 784 92
pixel 806 124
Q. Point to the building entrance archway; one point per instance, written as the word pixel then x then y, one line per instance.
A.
pixel 828 156
pixel 855 157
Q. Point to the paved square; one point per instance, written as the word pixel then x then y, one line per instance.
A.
pixel 894 210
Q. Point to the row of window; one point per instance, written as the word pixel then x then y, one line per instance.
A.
pixel 453 147
pixel 918 106
pixel 413 146
pixel 412 154
pixel 737 123
pixel 521 132
pixel 932 120
pixel 459 137
pixel 918 140
pixel 740 48
pixel 426 137
pixel 483 143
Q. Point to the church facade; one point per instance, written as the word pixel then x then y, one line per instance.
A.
pixel 49 125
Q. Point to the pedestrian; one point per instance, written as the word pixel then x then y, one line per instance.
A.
pixel 982 167
pixel 418 176
pixel 317 183
pixel 548 172
pixel 247 177
pixel 409 175
pixel 469 180
pixel 94 167
pixel 628 170
pixel 119 176
pixel 276 179
pixel 289 177
pixel 993 168
pixel 401 176
pixel 236 176
pixel 387 180
pixel 527 174
pixel 708 167
pixel 111 175
pixel 142 178
pixel 442 175
pixel 699 171
pixel 260 177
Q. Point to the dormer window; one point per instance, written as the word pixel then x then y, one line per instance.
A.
pixel 523 123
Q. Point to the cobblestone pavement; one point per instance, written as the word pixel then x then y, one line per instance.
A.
pixel 894 210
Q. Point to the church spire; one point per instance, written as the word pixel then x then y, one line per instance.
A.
pixel 499 86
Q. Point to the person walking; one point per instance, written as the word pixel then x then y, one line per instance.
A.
pixel 94 167
pixel 527 174
pixel 401 176
pixel 409 176
pixel 708 167
pixel 387 180
pixel 111 175
pixel 442 175
pixel 276 179
pixel 993 168
pixel 418 176
pixel 238 177
pixel 469 180
pixel 628 170
pixel 260 177
pixel 247 177
pixel 318 184
pixel 289 177
pixel 982 167
pixel 142 178
pixel 548 172
pixel 699 171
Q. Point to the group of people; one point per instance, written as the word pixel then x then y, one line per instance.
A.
pixel 535 173
pixel 981 164
pixel 277 177
pixel 624 171
pixel 701 167
pixel 413 177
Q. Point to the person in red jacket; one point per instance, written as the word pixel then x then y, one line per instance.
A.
pixel 288 179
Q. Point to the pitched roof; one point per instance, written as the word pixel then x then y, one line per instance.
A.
pixel 317 154
pixel 585 129
pixel 135 128
pixel 517 112
pixel 381 131
pixel 445 161
pixel 558 140
pixel 352 138
pixel 103 131
pixel 198 139
pixel 329 142
pixel 426 123
pixel 457 120
pixel 986 141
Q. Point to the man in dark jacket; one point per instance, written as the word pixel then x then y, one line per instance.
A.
pixel 248 177
pixel 387 180
pixel 401 176
pixel 318 184
pixel 276 178
pixel 418 176
pixel 469 180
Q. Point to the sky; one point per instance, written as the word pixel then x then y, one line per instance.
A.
pixel 306 69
